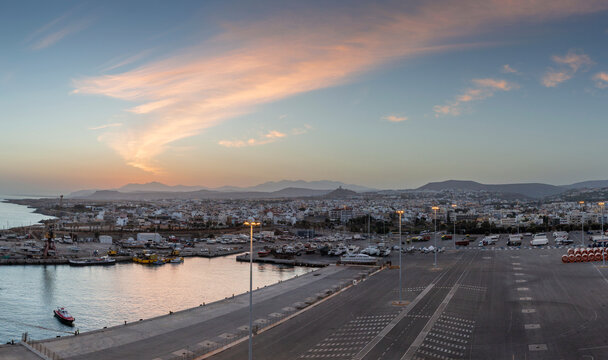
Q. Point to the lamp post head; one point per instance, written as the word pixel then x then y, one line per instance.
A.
pixel 435 208
pixel 400 212
pixel 454 206
pixel 601 203
pixel 251 223
pixel 581 202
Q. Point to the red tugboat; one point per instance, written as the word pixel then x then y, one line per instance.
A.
pixel 63 316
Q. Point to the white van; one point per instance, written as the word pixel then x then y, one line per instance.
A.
pixel 539 239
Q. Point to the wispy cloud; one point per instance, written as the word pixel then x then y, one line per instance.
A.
pixel 601 80
pixel 57 29
pixel 267 138
pixel 568 65
pixel 394 118
pixel 302 130
pixel 507 69
pixel 106 126
pixel 275 58
pixel 482 89
pixel 124 61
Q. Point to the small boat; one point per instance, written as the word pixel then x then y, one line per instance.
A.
pixel 358 259
pixel 63 316
pixel 104 260
pixel 176 260
pixel 263 253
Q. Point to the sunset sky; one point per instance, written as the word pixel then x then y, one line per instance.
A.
pixel 383 94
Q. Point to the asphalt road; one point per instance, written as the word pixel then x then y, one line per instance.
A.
pixel 483 304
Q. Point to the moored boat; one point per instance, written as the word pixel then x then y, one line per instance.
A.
pixel 263 253
pixel 176 260
pixel 358 259
pixel 63 316
pixel 104 260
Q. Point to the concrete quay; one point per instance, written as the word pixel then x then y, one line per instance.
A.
pixel 200 330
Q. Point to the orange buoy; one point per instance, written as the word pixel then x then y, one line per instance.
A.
pixel 570 251
pixel 598 257
pixel 578 257
pixel 585 258
pixel 571 258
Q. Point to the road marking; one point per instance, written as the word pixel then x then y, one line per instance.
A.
pixel 525 298
pixel 183 352
pixel 519 274
pixel 515 263
pixel 523 289
pixel 532 326
pixel 392 324
pixel 528 311
pixel 517 269
pixel 537 347
pixel 521 281
pixel 409 354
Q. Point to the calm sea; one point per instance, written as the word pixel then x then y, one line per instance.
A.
pixel 107 296
pixel 13 215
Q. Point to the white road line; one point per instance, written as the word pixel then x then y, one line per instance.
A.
pixel 422 335
pixel 392 324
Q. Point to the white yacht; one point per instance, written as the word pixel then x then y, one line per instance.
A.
pixel 357 259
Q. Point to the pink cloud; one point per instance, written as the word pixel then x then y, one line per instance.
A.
pixel 261 62
pixel 267 138
pixel 484 88
pixel 570 64
pixel 507 69
pixel 601 80
pixel 395 118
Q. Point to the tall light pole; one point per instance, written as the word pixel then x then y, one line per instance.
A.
pixel 582 204
pixel 400 212
pixel 251 224
pixel 454 206
pixel 601 204
pixel 435 208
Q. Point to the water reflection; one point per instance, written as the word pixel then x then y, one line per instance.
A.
pixel 106 296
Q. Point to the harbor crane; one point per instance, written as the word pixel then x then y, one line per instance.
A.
pixel 50 242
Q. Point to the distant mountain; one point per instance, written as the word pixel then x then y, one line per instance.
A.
pixel 81 193
pixel 533 190
pixel 340 193
pixel 156 186
pixel 109 195
pixel 592 184
pixel 301 184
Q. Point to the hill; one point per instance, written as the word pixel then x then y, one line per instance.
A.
pixel 533 190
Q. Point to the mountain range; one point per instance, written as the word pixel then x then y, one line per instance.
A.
pixel 325 188
pixel 269 187
pixel 532 190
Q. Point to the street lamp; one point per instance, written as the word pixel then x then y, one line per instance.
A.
pixel 251 224
pixel 582 204
pixel 435 208
pixel 400 212
pixel 454 206
pixel 601 204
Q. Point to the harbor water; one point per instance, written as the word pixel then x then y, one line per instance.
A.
pixel 99 296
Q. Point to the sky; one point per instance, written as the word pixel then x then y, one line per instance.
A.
pixel 388 94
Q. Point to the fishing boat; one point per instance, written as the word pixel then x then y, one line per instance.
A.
pixel 176 260
pixel 104 261
pixel 63 316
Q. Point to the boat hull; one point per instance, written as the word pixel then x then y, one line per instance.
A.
pixel 92 262
pixel 63 320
